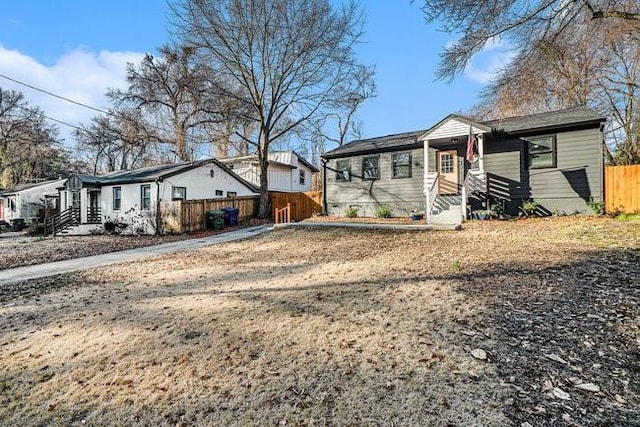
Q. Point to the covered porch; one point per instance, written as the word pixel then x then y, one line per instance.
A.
pixel 454 168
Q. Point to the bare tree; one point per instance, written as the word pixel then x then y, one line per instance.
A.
pixel 340 123
pixel 599 69
pixel 288 57
pixel 29 145
pixel 176 96
pixel 116 141
pixel 524 24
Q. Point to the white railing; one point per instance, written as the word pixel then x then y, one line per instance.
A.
pixel 429 177
pixel 474 182
pixel 432 195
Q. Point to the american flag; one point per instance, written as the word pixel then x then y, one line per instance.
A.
pixel 471 146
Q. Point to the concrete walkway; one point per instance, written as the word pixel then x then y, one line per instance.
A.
pixel 19 274
pixel 371 226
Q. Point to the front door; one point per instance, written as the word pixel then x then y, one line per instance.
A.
pixel 93 214
pixel 448 172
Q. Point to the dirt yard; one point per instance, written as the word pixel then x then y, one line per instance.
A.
pixel 525 323
pixel 20 251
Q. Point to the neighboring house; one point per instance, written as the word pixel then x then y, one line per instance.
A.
pixel 287 171
pixel 554 158
pixel 28 200
pixel 134 197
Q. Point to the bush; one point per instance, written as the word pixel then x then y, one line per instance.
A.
pixel 351 212
pixel 114 227
pixel 530 207
pixel 597 206
pixel 383 211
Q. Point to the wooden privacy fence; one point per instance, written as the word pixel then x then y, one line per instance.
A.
pixel 622 188
pixel 302 205
pixel 191 215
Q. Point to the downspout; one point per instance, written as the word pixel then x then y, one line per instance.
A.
pixel 158 215
pixel 324 185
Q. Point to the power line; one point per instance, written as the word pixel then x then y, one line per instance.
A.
pixel 99 110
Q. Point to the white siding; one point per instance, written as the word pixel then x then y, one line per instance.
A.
pixel 29 202
pixel 449 129
pixel 198 182
pixel 280 177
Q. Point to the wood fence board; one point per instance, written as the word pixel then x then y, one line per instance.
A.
pixel 622 188
pixel 303 205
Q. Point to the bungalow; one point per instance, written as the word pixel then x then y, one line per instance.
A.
pixel 25 202
pixel 134 197
pixel 461 165
pixel 286 172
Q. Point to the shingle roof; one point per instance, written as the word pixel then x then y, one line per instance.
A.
pixel 23 187
pixel 151 173
pixel 378 144
pixel 549 120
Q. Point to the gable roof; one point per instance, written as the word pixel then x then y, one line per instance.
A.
pixel 159 172
pixel 377 145
pixel 552 120
pixel 23 187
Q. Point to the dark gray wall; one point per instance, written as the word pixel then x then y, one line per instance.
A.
pixel 402 194
pixel 566 188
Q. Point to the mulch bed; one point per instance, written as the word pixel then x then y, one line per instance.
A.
pixel 566 339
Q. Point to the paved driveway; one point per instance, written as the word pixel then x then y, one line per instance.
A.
pixel 13 275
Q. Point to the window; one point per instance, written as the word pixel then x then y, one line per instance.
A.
pixel 343 170
pixel 231 194
pixel 219 193
pixel 542 152
pixel 401 165
pixel 178 193
pixel 145 197
pixel 302 177
pixel 370 168
pixel 117 198
pixel 446 163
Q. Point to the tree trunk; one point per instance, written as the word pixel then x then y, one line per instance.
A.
pixel 263 160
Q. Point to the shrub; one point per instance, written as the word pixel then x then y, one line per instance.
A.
pixel 383 211
pixel 597 206
pixel 530 207
pixel 351 212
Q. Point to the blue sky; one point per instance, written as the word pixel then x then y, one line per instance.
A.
pixel 78 48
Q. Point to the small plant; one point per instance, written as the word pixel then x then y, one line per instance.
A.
pixel 628 217
pixel 456 265
pixel 351 212
pixel 383 211
pixel 529 207
pixel 597 206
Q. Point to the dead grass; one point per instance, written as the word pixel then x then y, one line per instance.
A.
pixel 303 327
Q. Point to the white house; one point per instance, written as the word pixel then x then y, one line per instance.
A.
pixel 287 171
pixel 134 197
pixel 26 201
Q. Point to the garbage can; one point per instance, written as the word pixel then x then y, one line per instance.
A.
pixel 231 216
pixel 17 224
pixel 215 220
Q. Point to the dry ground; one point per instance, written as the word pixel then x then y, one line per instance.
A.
pixel 339 327
pixel 21 251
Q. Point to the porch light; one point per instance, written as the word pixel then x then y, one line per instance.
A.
pixel 454 140
pixel 211 173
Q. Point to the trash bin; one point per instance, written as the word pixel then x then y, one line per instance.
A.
pixel 231 216
pixel 215 220
pixel 17 224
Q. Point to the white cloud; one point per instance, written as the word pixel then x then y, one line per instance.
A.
pixel 494 56
pixel 81 75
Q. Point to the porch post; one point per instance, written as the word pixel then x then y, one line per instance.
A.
pixel 481 152
pixel 424 180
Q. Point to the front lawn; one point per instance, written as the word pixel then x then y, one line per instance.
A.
pixel 342 327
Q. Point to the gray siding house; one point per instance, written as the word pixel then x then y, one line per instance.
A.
pixel 554 158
